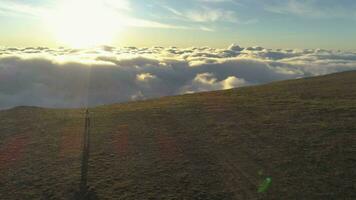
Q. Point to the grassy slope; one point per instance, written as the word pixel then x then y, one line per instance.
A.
pixel 217 145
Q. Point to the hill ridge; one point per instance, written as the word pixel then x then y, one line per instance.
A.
pixel 296 136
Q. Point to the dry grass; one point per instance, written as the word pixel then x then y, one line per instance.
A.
pixel 217 145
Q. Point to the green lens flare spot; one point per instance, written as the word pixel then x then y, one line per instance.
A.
pixel 265 185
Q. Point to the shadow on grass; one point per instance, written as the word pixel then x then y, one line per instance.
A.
pixel 89 195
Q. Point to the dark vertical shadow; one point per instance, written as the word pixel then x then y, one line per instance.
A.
pixel 85 192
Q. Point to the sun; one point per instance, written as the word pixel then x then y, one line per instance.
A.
pixel 84 23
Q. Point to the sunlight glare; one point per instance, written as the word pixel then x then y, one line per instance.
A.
pixel 81 23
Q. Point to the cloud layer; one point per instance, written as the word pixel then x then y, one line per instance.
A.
pixel 80 77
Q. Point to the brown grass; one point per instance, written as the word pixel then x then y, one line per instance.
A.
pixel 216 145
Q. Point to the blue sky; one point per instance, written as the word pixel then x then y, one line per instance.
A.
pixel 326 24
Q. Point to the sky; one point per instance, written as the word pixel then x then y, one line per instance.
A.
pixel 325 24
pixel 79 53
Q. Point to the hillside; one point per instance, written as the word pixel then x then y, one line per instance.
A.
pixel 299 135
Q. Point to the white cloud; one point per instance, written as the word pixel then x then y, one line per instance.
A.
pixel 214 1
pixel 11 8
pixel 119 5
pixel 145 77
pixel 78 77
pixel 233 82
pixel 312 9
pixel 210 15
pixel 205 14
pixel 208 82
pixel 120 10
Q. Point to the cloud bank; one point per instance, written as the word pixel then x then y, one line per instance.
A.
pixel 68 78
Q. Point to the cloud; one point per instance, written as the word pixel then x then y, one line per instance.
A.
pixel 208 82
pixel 145 77
pixel 206 14
pixel 118 9
pixel 214 1
pixel 313 9
pixel 11 8
pixel 79 77
pixel 210 15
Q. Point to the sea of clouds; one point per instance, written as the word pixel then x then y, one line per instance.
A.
pixel 67 78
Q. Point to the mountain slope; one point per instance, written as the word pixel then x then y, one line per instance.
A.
pixel 299 136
